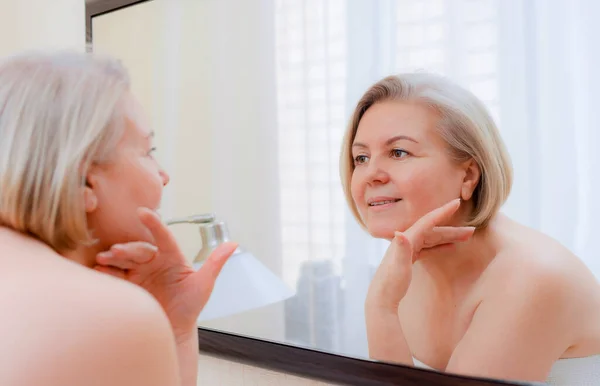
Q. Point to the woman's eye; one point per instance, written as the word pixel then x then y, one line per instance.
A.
pixel 399 153
pixel 359 159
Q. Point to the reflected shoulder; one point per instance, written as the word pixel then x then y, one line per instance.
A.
pixel 531 256
pixel 542 279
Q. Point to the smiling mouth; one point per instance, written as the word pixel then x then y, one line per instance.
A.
pixel 384 202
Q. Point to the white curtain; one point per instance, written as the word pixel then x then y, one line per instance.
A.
pixel 533 62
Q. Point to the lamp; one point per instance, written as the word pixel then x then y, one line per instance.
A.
pixel 244 282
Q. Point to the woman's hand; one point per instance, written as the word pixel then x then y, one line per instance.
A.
pixel 163 270
pixel 392 278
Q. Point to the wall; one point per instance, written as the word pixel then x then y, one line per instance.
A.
pixel 216 371
pixel 32 24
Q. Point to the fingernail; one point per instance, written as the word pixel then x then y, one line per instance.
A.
pixel 231 250
pixel 105 255
pixel 398 237
pixel 143 209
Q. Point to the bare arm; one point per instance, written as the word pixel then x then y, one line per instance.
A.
pixel 187 353
pixel 385 336
pixel 390 283
pixel 523 327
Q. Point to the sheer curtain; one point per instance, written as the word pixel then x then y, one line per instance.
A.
pixel 537 79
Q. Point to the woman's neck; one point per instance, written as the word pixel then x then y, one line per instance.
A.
pixel 84 255
pixel 12 238
pixel 466 260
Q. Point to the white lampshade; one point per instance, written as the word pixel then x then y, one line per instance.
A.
pixel 243 284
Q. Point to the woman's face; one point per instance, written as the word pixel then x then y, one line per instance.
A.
pixel 403 169
pixel 131 179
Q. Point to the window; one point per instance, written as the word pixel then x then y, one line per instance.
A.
pixel 312 87
pixel 311 82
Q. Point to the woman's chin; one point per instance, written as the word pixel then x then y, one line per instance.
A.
pixel 381 232
pixel 385 230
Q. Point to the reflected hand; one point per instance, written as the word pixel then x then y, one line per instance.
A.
pixel 393 276
pixel 163 270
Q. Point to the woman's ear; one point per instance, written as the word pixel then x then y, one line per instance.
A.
pixel 90 198
pixel 471 179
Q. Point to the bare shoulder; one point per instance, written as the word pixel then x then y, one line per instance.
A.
pixel 75 326
pixel 537 304
pixel 537 261
pixel 538 275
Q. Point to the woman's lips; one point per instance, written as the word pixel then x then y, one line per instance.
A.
pixel 382 203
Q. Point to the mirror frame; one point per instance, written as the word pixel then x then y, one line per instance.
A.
pixel 326 366
pixel 303 361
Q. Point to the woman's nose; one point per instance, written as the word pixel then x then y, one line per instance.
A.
pixel 165 177
pixel 377 174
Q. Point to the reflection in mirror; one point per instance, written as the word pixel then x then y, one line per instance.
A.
pixel 251 110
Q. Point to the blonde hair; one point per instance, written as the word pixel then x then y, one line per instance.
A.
pixel 59 113
pixel 465 125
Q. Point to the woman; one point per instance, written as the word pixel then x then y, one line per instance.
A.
pixel 462 287
pixel 78 190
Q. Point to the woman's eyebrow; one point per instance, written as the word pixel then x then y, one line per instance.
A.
pixel 389 141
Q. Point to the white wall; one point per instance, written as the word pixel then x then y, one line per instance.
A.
pixel 217 371
pixel 41 24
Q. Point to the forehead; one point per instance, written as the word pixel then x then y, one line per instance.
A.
pixel 391 118
pixel 137 124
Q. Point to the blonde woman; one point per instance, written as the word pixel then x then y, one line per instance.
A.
pixel 462 287
pixel 78 192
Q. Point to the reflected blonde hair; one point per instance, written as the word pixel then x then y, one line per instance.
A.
pixel 465 125
pixel 59 113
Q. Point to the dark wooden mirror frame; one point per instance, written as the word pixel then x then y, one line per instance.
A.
pixel 303 361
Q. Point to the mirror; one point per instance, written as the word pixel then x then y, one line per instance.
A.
pixel 250 101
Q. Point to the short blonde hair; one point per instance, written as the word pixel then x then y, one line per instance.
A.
pixel 465 125
pixel 59 113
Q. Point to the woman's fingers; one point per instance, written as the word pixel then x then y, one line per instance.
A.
pixel 116 272
pixel 207 275
pixel 403 249
pixel 402 241
pixel 163 238
pixel 435 217
pixel 418 230
pixel 446 235
pixel 128 255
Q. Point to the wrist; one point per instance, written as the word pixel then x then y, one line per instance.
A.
pixel 377 304
pixel 188 353
pixel 187 336
pixel 385 296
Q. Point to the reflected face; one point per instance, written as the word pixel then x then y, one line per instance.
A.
pixel 403 168
pixel 131 179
